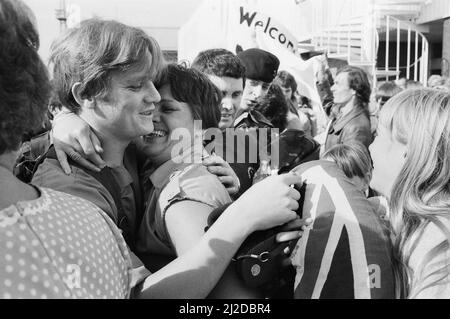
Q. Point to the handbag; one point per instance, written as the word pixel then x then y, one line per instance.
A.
pixel 259 260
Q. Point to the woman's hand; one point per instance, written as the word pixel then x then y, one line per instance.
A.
pixel 72 137
pixel 218 166
pixel 291 231
pixel 269 203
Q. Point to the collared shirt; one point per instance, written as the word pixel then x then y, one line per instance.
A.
pixel 251 119
pixel 176 180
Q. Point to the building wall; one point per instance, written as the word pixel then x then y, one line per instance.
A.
pixel 434 10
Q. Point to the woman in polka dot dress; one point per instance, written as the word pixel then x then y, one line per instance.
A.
pixel 59 246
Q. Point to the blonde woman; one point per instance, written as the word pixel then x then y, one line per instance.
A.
pixel 411 159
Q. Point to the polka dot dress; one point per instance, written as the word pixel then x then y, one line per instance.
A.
pixel 61 246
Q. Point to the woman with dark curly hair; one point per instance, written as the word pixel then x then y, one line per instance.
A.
pixel 350 116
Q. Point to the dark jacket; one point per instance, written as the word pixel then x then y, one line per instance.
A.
pixel 239 148
pixel 354 126
pixel 256 125
pixel 251 119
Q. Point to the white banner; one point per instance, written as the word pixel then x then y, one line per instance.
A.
pixel 240 25
pixel 246 24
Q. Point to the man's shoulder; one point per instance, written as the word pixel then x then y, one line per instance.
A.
pixel 240 135
pixel 252 119
pixel 361 120
pixel 261 120
pixel 51 175
pixel 240 119
pixel 78 183
pixel 360 128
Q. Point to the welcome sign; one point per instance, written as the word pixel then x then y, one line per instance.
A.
pixel 253 21
pixel 243 24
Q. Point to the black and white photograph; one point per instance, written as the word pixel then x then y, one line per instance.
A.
pixel 247 151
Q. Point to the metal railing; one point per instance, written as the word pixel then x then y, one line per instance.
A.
pixel 420 61
pixel 345 34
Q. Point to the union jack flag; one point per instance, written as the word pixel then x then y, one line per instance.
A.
pixel 346 252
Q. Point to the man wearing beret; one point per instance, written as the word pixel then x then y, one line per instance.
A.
pixel 261 67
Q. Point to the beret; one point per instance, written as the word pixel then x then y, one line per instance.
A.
pixel 259 65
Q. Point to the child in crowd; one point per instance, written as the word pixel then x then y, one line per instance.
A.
pixel 354 160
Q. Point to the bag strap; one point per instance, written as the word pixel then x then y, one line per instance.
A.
pixel 266 256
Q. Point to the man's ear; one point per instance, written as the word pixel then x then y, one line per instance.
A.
pixel 79 98
pixel 368 177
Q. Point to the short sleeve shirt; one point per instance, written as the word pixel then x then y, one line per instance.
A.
pixel 61 246
pixel 174 182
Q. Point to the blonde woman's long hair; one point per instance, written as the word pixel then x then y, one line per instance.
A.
pixel 419 119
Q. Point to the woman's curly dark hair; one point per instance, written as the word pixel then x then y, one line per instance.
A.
pixel 274 107
pixel 24 83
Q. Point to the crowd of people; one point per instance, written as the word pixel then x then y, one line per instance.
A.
pixel 124 176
